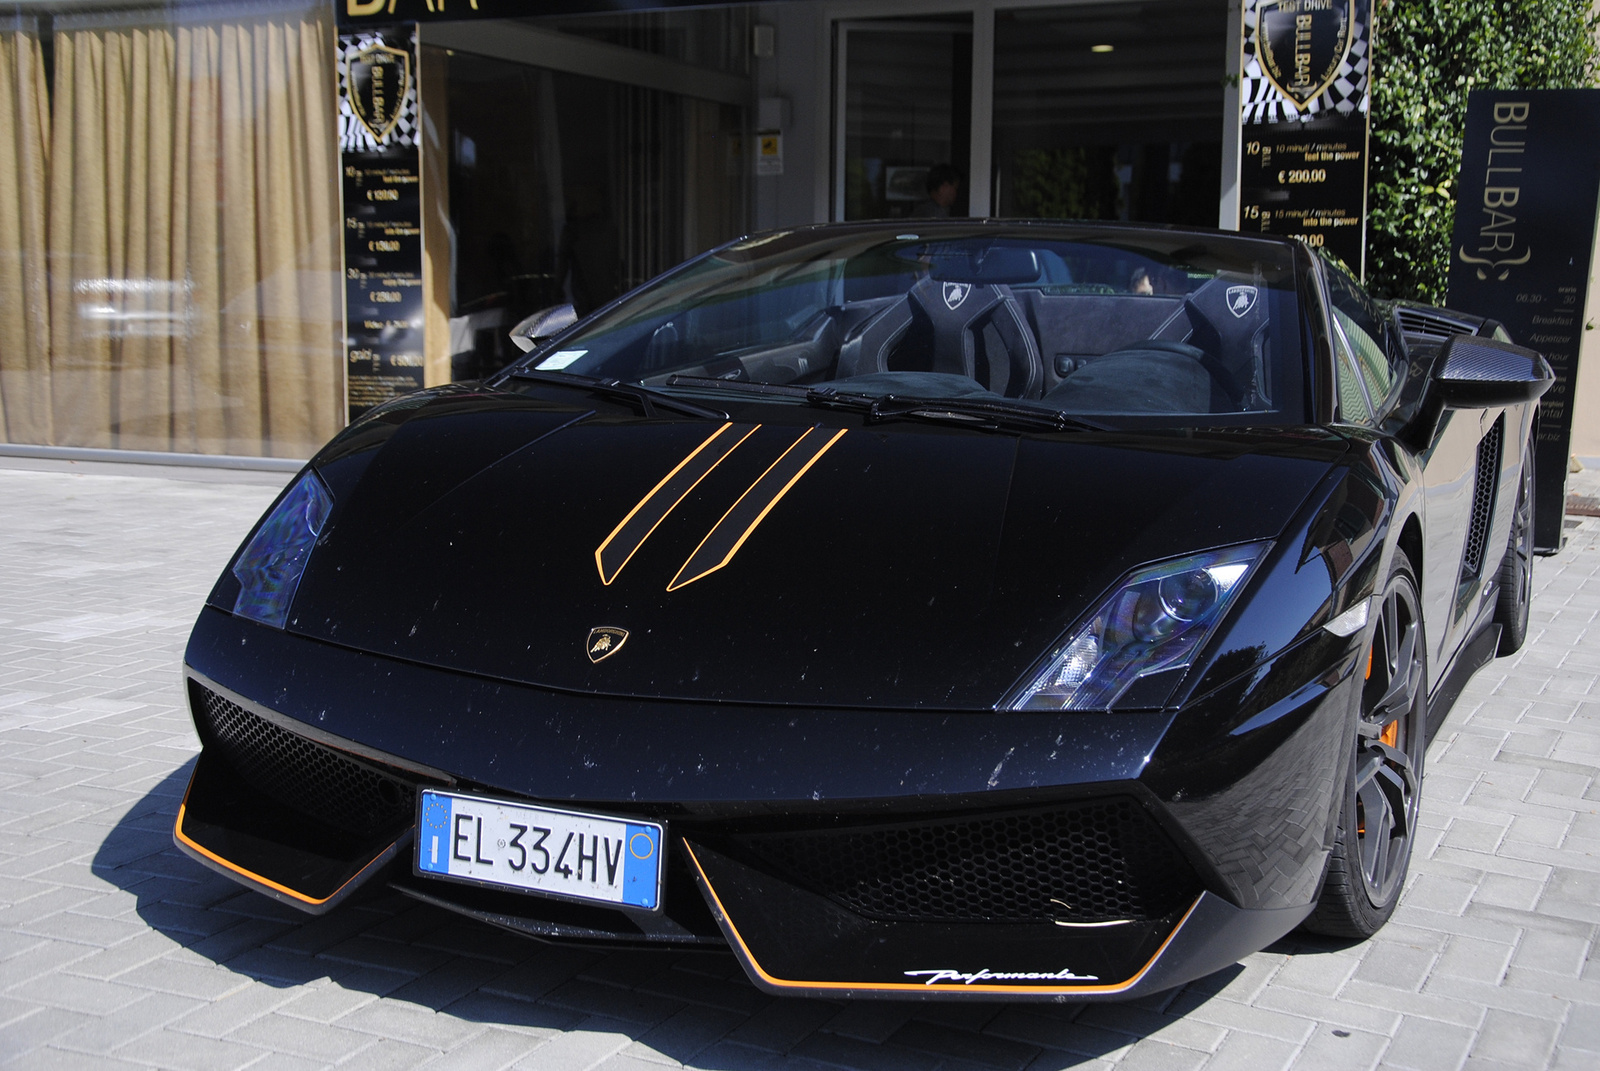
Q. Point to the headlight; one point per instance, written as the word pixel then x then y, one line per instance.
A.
pixel 1155 621
pixel 270 566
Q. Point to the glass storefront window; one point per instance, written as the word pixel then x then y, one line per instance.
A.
pixel 564 188
pixel 715 38
pixel 169 258
pixel 1110 110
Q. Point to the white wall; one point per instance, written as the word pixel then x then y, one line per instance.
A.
pixel 1586 392
pixel 798 71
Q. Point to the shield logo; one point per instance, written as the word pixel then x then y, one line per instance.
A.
pixel 1301 46
pixel 604 642
pixel 377 80
pixel 955 294
pixel 1241 299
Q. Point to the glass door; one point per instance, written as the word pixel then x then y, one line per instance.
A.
pixel 904 114
pixel 1110 110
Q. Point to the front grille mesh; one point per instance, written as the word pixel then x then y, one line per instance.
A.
pixel 1488 476
pixel 1088 862
pixel 298 773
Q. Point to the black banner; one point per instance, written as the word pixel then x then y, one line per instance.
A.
pixel 1525 226
pixel 382 217
pixel 1303 105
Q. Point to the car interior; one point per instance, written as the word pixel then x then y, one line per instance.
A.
pixel 1002 321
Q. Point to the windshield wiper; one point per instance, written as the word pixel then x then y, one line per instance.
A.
pixel 989 414
pixel 969 412
pixel 741 386
pixel 648 400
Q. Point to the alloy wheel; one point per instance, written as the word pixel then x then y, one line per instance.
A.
pixel 1388 775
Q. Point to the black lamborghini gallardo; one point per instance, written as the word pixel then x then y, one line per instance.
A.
pixel 975 609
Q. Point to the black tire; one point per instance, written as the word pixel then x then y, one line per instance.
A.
pixel 1516 568
pixel 1378 821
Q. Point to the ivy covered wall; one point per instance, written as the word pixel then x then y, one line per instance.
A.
pixel 1430 54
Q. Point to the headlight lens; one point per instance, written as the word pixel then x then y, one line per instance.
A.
pixel 1155 621
pixel 270 566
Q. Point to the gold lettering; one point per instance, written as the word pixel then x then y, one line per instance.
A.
pixel 362 8
pixel 1501 196
pixel 1510 113
pixel 1302 50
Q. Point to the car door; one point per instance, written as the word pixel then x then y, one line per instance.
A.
pixel 1370 355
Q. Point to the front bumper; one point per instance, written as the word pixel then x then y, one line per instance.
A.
pixel 1000 855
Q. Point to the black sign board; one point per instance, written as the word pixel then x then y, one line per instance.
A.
pixel 1303 105
pixel 1525 226
pixel 382 217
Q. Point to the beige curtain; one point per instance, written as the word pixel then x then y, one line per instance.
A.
pixel 193 230
pixel 24 301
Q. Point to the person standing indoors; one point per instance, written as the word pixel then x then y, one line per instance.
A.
pixel 944 185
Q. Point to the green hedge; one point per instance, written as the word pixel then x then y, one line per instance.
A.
pixel 1430 53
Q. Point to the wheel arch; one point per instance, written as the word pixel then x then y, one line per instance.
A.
pixel 1410 541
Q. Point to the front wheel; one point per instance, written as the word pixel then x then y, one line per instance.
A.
pixel 1378 823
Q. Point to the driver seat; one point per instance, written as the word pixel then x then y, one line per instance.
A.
pixel 969 329
pixel 1227 320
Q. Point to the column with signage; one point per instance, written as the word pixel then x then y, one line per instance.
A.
pixel 1520 252
pixel 381 171
pixel 1303 98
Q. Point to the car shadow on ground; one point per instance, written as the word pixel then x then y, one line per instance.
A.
pixel 387 945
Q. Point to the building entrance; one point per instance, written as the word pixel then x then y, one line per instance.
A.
pixel 904 88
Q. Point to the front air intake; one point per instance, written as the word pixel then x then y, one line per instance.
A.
pixel 300 774
pixel 1093 861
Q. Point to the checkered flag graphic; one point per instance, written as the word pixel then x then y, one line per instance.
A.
pixel 353 134
pixel 1262 102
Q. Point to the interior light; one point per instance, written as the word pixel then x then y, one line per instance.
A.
pixel 1102 48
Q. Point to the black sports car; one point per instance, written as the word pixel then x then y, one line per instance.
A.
pixel 1015 610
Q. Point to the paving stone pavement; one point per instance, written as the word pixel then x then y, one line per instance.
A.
pixel 117 951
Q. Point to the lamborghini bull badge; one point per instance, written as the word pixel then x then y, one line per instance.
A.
pixel 604 642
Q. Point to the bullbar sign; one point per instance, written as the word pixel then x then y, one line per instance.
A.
pixel 1302 44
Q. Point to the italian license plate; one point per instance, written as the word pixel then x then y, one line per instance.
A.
pixel 567 854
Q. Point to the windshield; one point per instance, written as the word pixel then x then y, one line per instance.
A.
pixel 1153 327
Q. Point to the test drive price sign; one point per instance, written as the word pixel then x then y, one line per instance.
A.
pixel 570 854
pixel 1310 183
pixel 382 217
pixel 1303 122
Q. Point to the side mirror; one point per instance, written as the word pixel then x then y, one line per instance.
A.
pixel 1473 372
pixel 544 324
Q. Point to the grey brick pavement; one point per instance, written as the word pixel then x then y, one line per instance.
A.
pixel 116 951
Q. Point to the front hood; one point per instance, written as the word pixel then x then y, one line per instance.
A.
pixel 904 565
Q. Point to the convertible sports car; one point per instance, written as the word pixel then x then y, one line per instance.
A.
pixel 974 609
